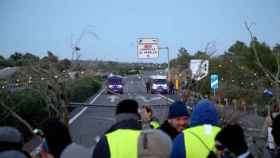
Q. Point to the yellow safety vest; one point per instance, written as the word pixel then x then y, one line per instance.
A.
pixel 123 143
pixel 194 136
pixel 154 124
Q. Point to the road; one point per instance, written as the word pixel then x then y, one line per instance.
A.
pixel 92 121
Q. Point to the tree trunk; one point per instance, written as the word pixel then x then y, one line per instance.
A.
pixel 21 120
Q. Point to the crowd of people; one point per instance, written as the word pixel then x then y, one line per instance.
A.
pixel 138 134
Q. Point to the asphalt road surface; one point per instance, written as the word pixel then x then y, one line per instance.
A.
pixel 89 124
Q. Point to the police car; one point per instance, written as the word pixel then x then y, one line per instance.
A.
pixel 114 84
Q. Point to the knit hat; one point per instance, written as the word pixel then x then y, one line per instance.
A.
pixel 10 135
pixel 177 109
pixel 154 144
pixel 127 106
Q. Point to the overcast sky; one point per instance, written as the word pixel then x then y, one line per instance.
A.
pixel 39 25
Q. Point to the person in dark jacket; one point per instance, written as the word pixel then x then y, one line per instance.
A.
pixel 198 140
pixel 58 143
pixel 121 139
pixel 231 138
pixel 276 134
pixel 11 143
pixel 177 119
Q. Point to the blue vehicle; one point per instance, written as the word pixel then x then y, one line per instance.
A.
pixel 115 84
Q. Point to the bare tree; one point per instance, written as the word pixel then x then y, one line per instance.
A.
pixel 12 112
pixel 272 77
pixel 87 30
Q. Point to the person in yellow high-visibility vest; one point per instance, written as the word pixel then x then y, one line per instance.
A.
pixel 121 140
pixel 149 117
pixel 198 141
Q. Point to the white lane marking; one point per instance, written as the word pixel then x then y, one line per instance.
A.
pixel 77 115
pixel 169 99
pixel 172 101
pixel 113 98
pixel 85 108
pixel 94 99
pixel 148 100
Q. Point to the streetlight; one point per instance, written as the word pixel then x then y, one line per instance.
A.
pixel 168 66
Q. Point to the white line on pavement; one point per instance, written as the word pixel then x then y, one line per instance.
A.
pixel 169 99
pixel 94 99
pixel 85 108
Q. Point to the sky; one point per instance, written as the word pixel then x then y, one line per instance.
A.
pixel 112 27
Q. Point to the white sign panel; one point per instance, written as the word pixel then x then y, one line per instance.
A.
pixel 199 68
pixel 147 48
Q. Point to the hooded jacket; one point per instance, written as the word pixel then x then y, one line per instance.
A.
pixel 124 121
pixel 204 113
pixel 11 143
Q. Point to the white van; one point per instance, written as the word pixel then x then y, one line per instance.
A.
pixel 159 84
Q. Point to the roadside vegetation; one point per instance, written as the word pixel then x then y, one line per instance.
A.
pixel 40 89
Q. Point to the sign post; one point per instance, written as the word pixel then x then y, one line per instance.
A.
pixel 214 82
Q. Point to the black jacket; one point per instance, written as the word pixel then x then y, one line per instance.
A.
pixel 169 130
pixel 102 148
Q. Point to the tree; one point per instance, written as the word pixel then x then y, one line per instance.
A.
pixel 16 59
pixel 64 64
pixel 270 70
pixel 3 62
pixel 52 58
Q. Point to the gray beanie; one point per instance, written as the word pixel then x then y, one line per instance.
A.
pixel 10 135
pixel 12 154
pixel 154 143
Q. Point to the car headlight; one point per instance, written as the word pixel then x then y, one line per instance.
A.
pixel 119 86
pixel 154 87
pixel 110 86
pixel 164 86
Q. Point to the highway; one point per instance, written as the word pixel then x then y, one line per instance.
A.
pixel 89 124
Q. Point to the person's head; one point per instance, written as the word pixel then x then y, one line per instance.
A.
pixel 154 144
pixel 232 138
pixel 276 130
pixel 127 108
pixel 204 113
pixel 10 139
pixel 148 111
pixel 11 143
pixel 57 137
pixel 178 116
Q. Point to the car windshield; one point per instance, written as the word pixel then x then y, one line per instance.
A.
pixel 115 81
pixel 160 81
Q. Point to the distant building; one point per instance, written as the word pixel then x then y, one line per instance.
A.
pixel 7 72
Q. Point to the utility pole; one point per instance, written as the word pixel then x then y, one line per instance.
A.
pixel 168 60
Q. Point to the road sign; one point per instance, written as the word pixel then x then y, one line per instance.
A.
pixel 199 68
pixel 268 93
pixel 214 81
pixel 147 48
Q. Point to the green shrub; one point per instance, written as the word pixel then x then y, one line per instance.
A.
pixel 80 90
